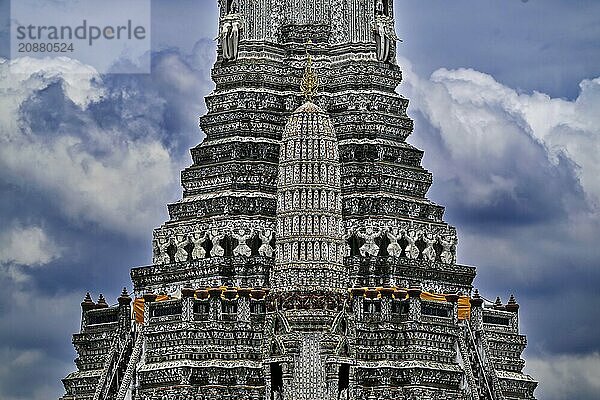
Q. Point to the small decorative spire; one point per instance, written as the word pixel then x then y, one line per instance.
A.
pixel 88 298
pixel 310 80
pixel 101 302
pixel 87 303
pixel 512 304
pixel 498 304
pixel 124 299
pixel 476 300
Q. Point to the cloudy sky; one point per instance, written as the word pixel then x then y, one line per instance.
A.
pixel 505 96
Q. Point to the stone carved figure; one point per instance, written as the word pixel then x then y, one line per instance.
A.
pixel 155 250
pixel 265 249
pixel 156 253
pixel 370 247
pixel 429 252
pixel 382 40
pixel 447 244
pixel 234 39
pixel 199 253
pixel 412 251
pixel 159 256
pixel 225 29
pixel 394 249
pixel 216 237
pixel 242 249
pixel 180 254
pixel 230 39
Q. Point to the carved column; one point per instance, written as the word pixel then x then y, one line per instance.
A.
pixel 357 302
pixel 244 305
pixel 148 300
pixel 453 299
pixel 215 304
pixel 414 304
pixel 287 368
pixel 124 312
pixel 86 305
pixel 332 371
pixel 386 304
pixel 513 307
pixel 187 304
pixel 477 311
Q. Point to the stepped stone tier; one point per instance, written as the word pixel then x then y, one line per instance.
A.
pixel 304 260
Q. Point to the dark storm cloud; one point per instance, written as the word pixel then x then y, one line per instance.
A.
pixel 518 174
pixel 543 45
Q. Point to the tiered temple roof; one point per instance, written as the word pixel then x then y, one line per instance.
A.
pixel 304 260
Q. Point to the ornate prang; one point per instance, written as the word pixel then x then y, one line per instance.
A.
pixel 304 260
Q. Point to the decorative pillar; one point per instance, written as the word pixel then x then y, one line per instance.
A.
pixel 513 307
pixel 332 372
pixel 386 303
pixel 358 296
pixel 414 304
pixel 453 299
pixel 86 305
pixel 215 303
pixel 477 311
pixel 352 383
pixel 267 374
pixel 287 369
pixel 124 312
pixel 148 299
pixel 244 305
pixel 187 304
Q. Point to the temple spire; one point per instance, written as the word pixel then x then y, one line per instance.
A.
pixel 310 80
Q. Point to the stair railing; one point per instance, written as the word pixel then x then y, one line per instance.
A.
pixel 134 359
pixel 480 362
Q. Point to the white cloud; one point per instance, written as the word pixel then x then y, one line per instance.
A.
pixel 113 176
pixel 566 377
pixel 486 126
pixel 81 82
pixel 27 358
pixel 114 192
pixel 28 246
